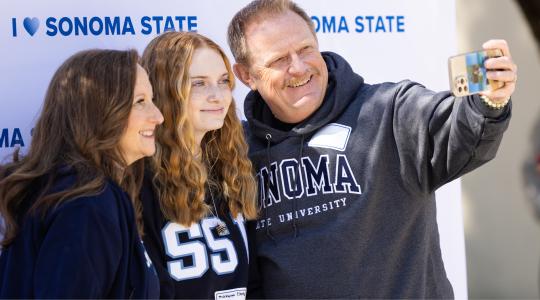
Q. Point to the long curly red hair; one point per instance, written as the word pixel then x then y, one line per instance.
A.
pixel 179 177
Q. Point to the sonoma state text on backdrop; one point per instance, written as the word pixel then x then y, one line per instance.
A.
pixel 359 24
pixel 99 25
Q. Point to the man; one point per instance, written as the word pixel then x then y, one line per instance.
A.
pixel 348 170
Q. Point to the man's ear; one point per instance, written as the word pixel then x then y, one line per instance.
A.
pixel 242 72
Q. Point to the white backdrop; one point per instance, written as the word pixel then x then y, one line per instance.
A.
pixel 384 40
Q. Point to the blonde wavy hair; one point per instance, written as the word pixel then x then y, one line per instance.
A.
pixel 179 177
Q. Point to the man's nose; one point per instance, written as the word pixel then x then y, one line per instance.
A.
pixel 297 65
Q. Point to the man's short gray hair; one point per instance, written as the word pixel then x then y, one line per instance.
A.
pixel 256 9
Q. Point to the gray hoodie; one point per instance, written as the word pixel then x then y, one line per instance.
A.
pixel 347 196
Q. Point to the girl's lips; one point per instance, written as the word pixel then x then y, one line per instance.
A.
pixel 214 111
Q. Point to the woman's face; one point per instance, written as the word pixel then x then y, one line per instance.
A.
pixel 138 139
pixel 210 95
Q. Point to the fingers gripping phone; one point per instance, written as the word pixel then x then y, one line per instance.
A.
pixel 468 74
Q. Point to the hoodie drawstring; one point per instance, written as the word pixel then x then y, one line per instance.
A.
pixel 294 201
pixel 267 186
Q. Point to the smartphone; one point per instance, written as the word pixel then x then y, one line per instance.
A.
pixel 468 74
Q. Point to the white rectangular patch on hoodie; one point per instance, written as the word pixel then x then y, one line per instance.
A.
pixel 333 136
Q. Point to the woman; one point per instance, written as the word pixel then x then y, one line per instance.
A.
pixel 201 187
pixel 70 226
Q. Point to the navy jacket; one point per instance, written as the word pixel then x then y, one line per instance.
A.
pixel 87 247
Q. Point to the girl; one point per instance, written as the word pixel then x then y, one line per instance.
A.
pixel 200 188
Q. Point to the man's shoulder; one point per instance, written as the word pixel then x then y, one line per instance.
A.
pixel 396 85
pixel 390 88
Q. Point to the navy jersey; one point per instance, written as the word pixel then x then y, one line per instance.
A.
pixel 196 261
pixel 87 247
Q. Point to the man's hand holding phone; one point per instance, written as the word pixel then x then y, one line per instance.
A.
pixel 490 73
pixel 502 69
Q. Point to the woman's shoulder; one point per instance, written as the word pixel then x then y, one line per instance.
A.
pixel 108 202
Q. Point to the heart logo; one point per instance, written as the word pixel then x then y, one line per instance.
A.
pixel 31 25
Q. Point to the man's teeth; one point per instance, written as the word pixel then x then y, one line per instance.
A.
pixel 297 84
pixel 147 133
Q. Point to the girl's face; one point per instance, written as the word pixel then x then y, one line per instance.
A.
pixel 210 95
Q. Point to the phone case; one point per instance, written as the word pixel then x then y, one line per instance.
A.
pixel 468 74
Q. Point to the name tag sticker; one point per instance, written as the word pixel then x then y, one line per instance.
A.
pixel 234 294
